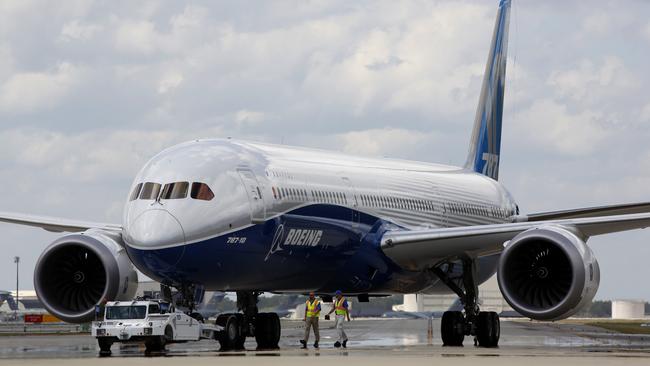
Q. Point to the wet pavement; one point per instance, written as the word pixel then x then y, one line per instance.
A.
pixel 376 339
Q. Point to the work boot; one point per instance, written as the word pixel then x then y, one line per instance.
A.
pixel 316 344
pixel 345 343
pixel 304 344
pixel 337 344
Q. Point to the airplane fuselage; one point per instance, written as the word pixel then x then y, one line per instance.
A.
pixel 287 219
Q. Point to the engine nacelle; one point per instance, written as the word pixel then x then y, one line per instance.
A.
pixel 548 273
pixel 77 271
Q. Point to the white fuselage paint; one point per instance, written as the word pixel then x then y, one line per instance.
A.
pixel 253 182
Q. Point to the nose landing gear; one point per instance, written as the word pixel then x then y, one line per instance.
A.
pixel 483 325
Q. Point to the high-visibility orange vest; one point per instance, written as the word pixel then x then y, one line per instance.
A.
pixel 312 309
pixel 338 306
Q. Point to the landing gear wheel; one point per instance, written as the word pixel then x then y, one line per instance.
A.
pixel 267 330
pixel 233 337
pixel 452 328
pixel 488 329
pixel 104 346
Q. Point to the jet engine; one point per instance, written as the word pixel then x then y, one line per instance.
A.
pixel 78 271
pixel 548 273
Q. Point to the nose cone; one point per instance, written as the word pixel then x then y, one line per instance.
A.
pixel 155 228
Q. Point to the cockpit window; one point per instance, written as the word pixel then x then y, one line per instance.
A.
pixel 136 192
pixel 150 191
pixel 201 191
pixel 173 191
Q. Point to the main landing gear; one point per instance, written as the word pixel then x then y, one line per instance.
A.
pixel 265 327
pixel 455 325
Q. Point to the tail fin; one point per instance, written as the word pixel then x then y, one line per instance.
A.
pixel 485 145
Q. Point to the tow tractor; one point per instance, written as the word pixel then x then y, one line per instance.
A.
pixel 154 323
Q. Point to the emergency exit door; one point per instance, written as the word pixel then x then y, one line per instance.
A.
pixel 254 192
pixel 353 196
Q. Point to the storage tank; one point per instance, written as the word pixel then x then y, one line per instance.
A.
pixel 628 309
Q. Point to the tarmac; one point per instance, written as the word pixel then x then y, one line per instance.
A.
pixel 395 342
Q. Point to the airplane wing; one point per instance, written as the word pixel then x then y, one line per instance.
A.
pixel 415 250
pixel 624 209
pixel 56 225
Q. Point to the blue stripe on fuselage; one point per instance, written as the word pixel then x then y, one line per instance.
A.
pixel 346 256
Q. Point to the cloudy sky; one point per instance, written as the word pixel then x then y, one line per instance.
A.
pixel 89 90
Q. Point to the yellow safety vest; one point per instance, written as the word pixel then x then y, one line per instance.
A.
pixel 338 306
pixel 312 309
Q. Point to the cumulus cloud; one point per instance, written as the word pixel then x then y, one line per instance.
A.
pixel 397 68
pixel 78 31
pixel 645 31
pixel 169 81
pixel 645 113
pixel 379 142
pixel 592 83
pixel 6 61
pixel 551 127
pixel 600 22
pixel 138 37
pixel 88 156
pixel 29 91
pixel 247 117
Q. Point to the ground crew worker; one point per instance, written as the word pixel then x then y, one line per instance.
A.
pixel 312 312
pixel 100 308
pixel 341 310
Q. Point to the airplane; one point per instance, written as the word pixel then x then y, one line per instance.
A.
pixel 246 217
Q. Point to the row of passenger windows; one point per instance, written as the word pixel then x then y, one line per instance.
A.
pixel 478 210
pixel 279 174
pixel 171 191
pixel 299 194
pixel 397 202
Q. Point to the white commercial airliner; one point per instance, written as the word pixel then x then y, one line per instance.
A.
pixel 248 217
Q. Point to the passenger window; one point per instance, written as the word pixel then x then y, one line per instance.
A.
pixel 175 191
pixel 201 191
pixel 136 192
pixel 150 191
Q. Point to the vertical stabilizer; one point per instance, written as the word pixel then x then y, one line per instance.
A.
pixel 485 145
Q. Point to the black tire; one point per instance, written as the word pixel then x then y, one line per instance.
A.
pixel 104 346
pixel 220 336
pixel 155 344
pixel 488 329
pixel 277 330
pixel 267 330
pixel 233 337
pixel 452 328
pixel 169 335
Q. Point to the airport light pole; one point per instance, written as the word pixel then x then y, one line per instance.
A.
pixel 17 261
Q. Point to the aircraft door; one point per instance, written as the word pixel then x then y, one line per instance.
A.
pixel 254 192
pixel 440 217
pixel 355 203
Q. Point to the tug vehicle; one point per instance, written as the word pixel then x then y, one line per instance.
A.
pixel 154 323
